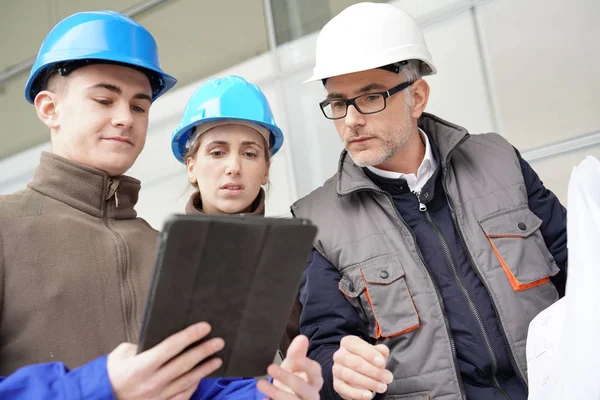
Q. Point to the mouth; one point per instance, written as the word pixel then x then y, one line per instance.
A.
pixel 232 189
pixel 119 139
pixel 360 139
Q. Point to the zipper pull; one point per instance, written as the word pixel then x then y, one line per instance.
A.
pixel 113 190
pixel 422 207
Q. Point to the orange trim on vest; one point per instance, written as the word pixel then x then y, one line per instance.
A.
pixel 378 332
pixel 514 282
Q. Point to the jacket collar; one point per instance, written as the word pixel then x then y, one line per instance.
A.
pixel 194 204
pixel 86 189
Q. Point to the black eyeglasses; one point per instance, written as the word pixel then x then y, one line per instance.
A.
pixel 369 103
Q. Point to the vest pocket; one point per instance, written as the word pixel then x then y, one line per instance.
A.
pixel 519 247
pixel 378 290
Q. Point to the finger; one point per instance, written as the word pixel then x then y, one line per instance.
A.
pixel 348 392
pixel 357 380
pixel 358 364
pixel 269 390
pixel 384 350
pixel 189 359
pixel 312 369
pixel 186 394
pixel 307 369
pixel 192 378
pixel 298 348
pixel 356 345
pixel 299 386
pixel 175 344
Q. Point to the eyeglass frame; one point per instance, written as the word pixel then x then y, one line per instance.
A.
pixel 352 101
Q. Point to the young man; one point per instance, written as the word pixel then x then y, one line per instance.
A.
pixel 75 262
pixel 436 248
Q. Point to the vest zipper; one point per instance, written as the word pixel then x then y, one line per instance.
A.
pixel 472 263
pixel 113 190
pixel 488 343
pixel 435 286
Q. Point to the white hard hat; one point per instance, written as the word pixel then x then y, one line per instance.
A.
pixel 366 36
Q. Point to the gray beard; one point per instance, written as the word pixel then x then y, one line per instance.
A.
pixel 392 144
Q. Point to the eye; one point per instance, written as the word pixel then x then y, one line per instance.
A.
pixel 250 154
pixel 104 102
pixel 338 104
pixel 138 109
pixel 372 97
pixel 217 153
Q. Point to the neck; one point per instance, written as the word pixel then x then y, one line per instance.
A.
pixel 409 157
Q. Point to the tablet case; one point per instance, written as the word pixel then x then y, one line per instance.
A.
pixel 239 273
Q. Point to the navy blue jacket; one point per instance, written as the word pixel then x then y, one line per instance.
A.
pixel 327 316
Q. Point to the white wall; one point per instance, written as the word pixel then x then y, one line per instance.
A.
pixel 477 86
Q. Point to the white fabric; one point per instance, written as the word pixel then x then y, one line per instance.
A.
pixel 563 343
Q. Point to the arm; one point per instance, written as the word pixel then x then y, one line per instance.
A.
pixel 227 388
pixel 545 204
pixel 326 317
pixel 55 381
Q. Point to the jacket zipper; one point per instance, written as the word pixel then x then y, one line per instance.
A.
pixel 434 283
pixel 423 209
pixel 113 191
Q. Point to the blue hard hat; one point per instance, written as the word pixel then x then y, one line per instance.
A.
pixel 98 37
pixel 228 98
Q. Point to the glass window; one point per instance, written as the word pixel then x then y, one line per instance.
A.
pixel 544 67
pixel 294 19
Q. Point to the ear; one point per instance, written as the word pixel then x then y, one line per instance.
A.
pixel 266 177
pixel 46 105
pixel 190 163
pixel 421 97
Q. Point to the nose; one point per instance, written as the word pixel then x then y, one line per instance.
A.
pixel 353 117
pixel 234 166
pixel 123 117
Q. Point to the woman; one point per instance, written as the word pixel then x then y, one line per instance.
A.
pixel 226 139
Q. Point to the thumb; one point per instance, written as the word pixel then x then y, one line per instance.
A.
pixel 298 348
pixel 124 351
pixel 297 351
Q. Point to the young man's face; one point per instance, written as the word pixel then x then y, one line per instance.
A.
pixel 100 116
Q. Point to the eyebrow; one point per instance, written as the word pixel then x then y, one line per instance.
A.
pixel 220 142
pixel 244 143
pixel 115 89
pixel 249 142
pixel 364 89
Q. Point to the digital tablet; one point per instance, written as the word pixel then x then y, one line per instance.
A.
pixel 240 273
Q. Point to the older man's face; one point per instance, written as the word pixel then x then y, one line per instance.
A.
pixel 372 139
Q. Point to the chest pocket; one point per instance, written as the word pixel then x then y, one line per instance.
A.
pixel 378 290
pixel 518 244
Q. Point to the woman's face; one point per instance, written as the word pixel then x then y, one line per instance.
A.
pixel 229 168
